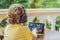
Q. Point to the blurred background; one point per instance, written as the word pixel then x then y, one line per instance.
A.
pixel 4 4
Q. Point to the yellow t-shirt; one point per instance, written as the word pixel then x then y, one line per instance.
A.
pixel 17 32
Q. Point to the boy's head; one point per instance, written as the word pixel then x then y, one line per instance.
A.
pixel 16 14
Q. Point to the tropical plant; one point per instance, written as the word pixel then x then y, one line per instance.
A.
pixel 48 24
pixel 3 23
pixel 36 19
pixel 57 23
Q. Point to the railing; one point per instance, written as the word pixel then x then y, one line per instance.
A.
pixel 37 12
pixel 34 12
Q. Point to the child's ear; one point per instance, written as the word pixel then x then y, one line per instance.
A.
pixel 23 18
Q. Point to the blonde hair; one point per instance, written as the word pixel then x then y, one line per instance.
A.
pixel 15 12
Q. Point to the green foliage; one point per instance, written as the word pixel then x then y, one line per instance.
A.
pixel 31 3
pixel 3 22
pixel 6 3
pixel 26 23
pixel 48 25
pixel 58 22
pixel 36 19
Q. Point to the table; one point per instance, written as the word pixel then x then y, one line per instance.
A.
pixel 52 35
